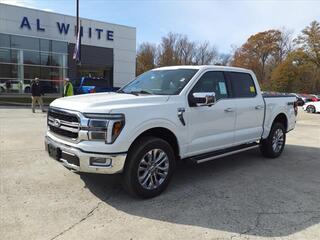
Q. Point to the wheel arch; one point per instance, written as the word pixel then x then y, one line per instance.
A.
pixel 163 133
pixel 27 89
pixel 281 118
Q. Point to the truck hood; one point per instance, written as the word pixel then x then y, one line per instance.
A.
pixel 105 102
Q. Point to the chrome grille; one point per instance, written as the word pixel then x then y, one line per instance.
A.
pixel 63 123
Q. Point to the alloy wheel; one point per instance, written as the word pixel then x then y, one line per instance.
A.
pixel 153 169
pixel 277 140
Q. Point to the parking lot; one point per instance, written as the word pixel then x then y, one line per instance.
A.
pixel 243 196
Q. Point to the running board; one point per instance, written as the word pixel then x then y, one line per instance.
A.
pixel 222 153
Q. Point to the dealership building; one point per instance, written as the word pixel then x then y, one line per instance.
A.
pixel 40 44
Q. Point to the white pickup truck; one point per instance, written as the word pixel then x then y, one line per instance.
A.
pixel 194 113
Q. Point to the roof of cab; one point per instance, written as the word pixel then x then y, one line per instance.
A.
pixel 205 67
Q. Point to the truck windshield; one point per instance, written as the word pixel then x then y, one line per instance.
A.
pixel 160 82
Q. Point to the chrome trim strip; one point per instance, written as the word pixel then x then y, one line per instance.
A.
pixel 226 154
pixel 70 124
pixel 69 129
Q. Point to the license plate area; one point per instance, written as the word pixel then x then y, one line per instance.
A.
pixel 54 152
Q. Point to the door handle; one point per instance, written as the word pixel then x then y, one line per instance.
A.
pixel 258 107
pixel 228 110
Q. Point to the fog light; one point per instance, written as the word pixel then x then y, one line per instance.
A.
pixel 100 162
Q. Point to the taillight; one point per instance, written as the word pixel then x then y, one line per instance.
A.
pixel 295 106
pixel 93 90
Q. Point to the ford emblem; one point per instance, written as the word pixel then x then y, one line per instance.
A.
pixel 56 123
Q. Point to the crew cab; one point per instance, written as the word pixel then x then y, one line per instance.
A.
pixel 169 114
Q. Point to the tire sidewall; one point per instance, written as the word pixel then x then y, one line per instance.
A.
pixel 137 153
pixel 311 109
pixel 275 127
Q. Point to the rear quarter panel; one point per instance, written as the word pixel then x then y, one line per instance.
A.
pixel 276 106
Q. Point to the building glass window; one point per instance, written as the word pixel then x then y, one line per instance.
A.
pixel 4 40
pixel 45 59
pixel 25 58
pixel 24 43
pixel 45 45
pixel 59 47
pixel 31 72
pixel 56 60
pixel 31 57
pixel 5 55
pixel 8 55
pixel 8 71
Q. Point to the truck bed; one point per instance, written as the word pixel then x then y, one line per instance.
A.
pixel 275 103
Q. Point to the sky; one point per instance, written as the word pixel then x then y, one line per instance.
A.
pixel 224 23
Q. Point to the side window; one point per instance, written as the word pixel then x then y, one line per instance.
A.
pixel 242 85
pixel 212 82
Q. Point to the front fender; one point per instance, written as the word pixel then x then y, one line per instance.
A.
pixel 154 123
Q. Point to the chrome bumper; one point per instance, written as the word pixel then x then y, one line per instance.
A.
pixel 83 165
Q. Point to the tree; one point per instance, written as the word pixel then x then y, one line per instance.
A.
pixel 309 41
pixel 295 74
pixel 146 57
pixel 167 50
pixel 224 59
pixel 205 54
pixel 284 46
pixel 262 52
pixel 185 50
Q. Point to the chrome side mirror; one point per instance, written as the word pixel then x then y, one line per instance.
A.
pixel 204 98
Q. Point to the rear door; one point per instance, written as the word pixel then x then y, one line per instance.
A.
pixel 211 127
pixel 249 107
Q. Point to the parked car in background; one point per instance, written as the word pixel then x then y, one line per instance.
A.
pixel 314 98
pixel 312 107
pixel 94 85
pixel 310 97
pixel 2 87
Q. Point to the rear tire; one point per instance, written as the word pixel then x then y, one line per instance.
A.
pixel 272 146
pixel 311 109
pixel 149 168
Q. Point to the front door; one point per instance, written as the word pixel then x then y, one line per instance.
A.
pixel 211 128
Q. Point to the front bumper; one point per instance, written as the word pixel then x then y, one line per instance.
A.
pixel 78 160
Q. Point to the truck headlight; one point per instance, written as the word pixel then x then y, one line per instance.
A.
pixel 105 127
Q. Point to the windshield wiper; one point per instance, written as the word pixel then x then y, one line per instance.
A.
pixel 141 92
pixel 121 91
pixel 136 93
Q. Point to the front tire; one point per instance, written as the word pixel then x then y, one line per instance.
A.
pixel 272 147
pixel 149 168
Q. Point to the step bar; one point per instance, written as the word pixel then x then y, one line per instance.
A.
pixel 222 153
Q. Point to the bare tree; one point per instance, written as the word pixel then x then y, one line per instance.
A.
pixel 284 45
pixel 185 50
pixel 224 59
pixel 205 54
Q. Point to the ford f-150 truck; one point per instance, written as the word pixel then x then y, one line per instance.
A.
pixel 193 113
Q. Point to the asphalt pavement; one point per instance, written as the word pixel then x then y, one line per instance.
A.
pixel 244 196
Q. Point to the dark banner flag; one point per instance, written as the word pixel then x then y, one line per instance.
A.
pixel 77 48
